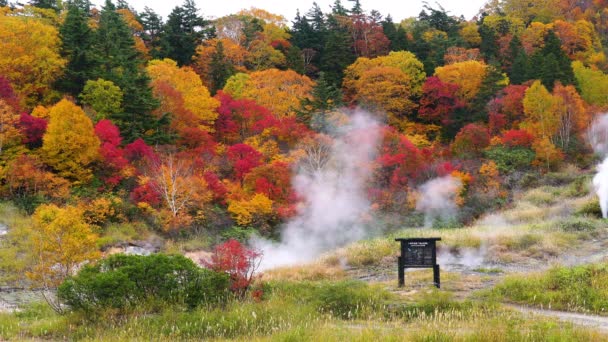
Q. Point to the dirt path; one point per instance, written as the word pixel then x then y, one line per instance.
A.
pixel 591 321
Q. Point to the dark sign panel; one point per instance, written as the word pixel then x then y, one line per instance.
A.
pixel 418 253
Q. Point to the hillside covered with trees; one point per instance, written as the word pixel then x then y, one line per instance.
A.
pixel 119 126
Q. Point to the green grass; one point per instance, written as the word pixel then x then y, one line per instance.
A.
pixel 581 289
pixel 302 311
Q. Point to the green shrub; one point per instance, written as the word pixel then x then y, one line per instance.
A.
pixel 590 208
pixel 510 159
pixel 578 224
pixel 238 233
pixel 123 281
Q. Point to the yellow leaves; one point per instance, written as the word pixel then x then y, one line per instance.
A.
pixel 386 83
pixel 100 210
pixel 40 112
pixel 278 90
pixel 470 34
pixel 195 95
pixel 490 177
pixel 547 155
pixel 542 120
pixel 244 211
pixel 467 75
pixel 61 241
pixel 29 56
pixel 10 135
pixel 70 144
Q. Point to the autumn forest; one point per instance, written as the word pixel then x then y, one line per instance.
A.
pixel 119 126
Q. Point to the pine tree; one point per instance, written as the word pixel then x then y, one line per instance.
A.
pixel 183 32
pixel 120 63
pixel 325 97
pixel 153 28
pixel 396 35
pixel 77 42
pixel 294 60
pixel 357 9
pixel 219 68
pixel 337 53
pixel 559 65
pixel 46 4
pixel 517 60
pixel 338 8
pixel 519 68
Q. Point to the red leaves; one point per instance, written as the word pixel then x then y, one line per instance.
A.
pixel 110 151
pixel 107 132
pixel 439 101
pixel 7 94
pixel 517 137
pixel 140 151
pixel 238 261
pixel 240 119
pixel 471 140
pixel 33 128
pixel 243 158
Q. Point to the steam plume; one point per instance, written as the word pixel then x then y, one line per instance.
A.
pixel 437 199
pixel 335 205
pixel 598 138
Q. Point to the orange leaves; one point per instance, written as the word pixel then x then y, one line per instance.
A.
pixel 187 85
pixel 467 75
pixel 387 83
pixel 280 91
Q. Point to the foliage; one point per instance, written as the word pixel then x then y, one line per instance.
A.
pixel 30 57
pixel 510 159
pixel 279 91
pixel 61 241
pixel 124 281
pixel 69 144
pixel 103 96
pixel 238 262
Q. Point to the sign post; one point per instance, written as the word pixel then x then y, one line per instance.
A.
pixel 418 253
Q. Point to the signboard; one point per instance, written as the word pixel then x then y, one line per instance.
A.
pixel 418 253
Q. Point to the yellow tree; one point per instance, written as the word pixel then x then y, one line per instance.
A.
pixel 396 89
pixel 61 242
pixel 539 108
pixel 386 89
pixel 29 56
pixel 468 75
pixel 278 90
pixel 571 113
pixel 195 95
pixel 10 135
pixel 70 144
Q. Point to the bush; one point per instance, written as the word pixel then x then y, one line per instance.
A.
pixel 590 208
pixel 510 159
pixel 238 262
pixel 123 281
pixel 578 224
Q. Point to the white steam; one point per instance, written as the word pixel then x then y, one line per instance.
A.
pixel 598 138
pixel 335 205
pixel 437 199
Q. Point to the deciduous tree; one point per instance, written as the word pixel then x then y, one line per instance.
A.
pixel 69 144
